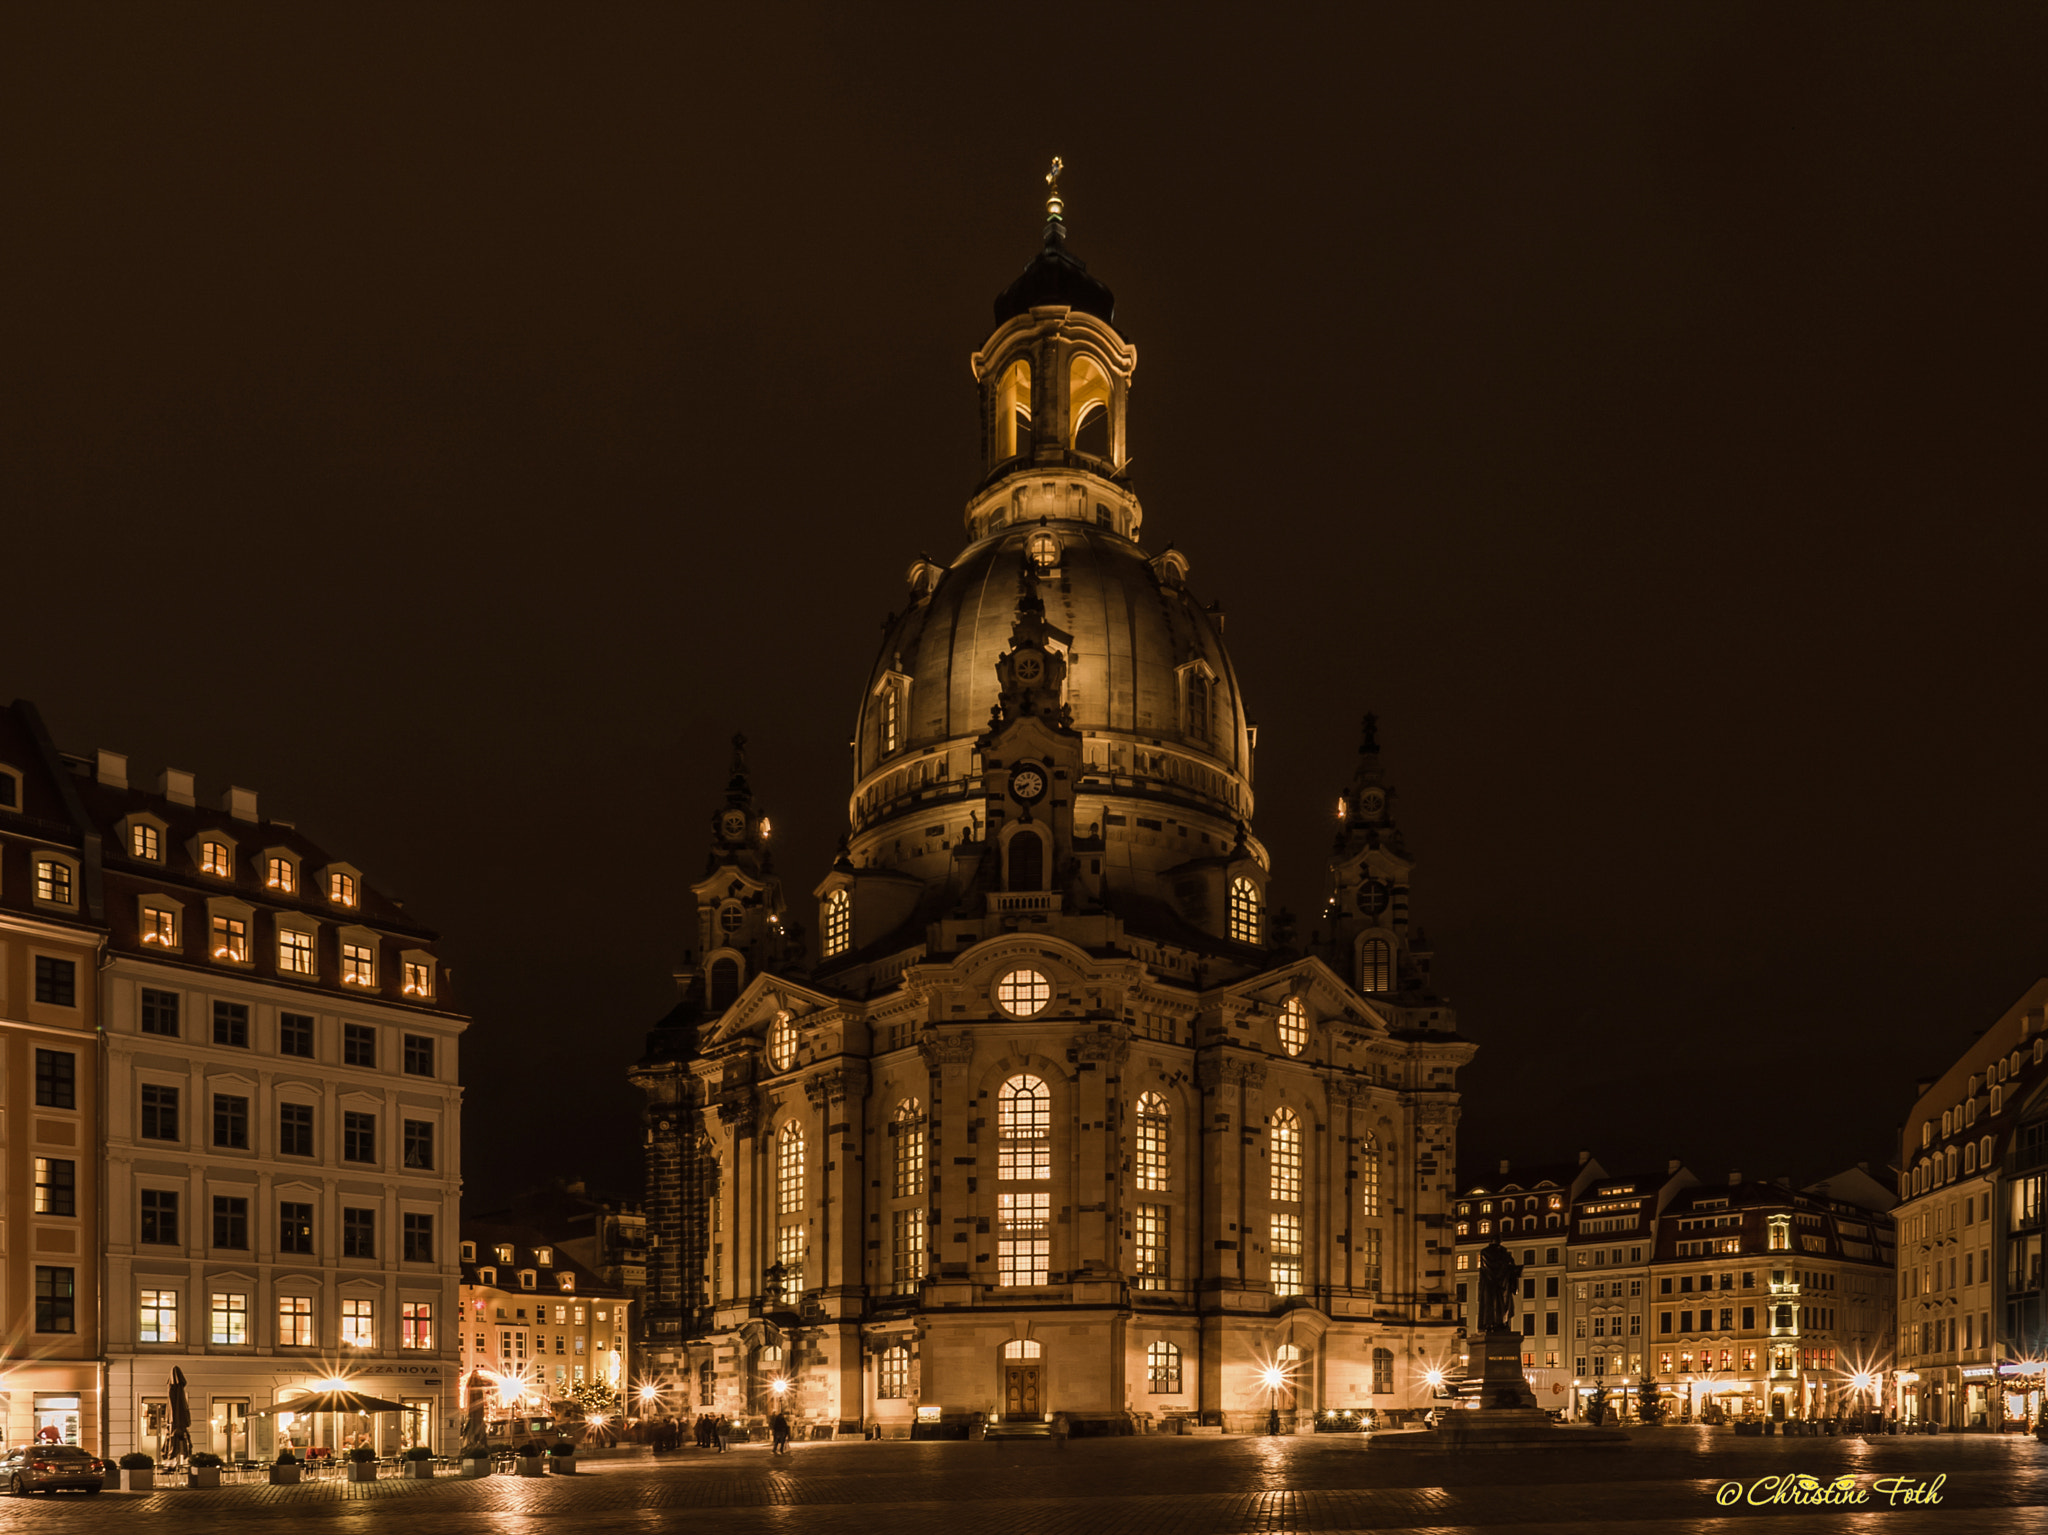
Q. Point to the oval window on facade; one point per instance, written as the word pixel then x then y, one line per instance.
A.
pixel 1024 993
pixel 1293 1026
pixel 782 1042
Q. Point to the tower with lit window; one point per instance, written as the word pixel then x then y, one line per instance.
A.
pixel 1053 1120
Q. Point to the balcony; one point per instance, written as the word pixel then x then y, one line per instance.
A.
pixel 1037 904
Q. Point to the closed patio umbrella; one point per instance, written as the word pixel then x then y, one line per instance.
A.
pixel 473 1436
pixel 178 1443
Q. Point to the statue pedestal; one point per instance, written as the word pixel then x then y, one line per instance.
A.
pixel 1506 1417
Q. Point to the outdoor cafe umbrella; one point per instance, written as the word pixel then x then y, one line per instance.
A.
pixel 335 1400
pixel 178 1443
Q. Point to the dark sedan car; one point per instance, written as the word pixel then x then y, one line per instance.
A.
pixel 46 1467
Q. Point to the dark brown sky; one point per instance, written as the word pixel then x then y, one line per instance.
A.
pixel 455 421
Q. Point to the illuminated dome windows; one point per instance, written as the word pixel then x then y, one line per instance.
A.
pixel 1088 406
pixel 1013 411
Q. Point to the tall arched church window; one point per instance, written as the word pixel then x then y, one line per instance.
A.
pixel 1162 1368
pixel 1375 965
pixel 1024 1129
pixel 838 923
pixel 889 721
pixel 1027 861
pixel 1088 400
pixel 1244 910
pixel 1013 411
pixel 789 1205
pixel 725 982
pixel 1198 720
pixel 1284 1144
pixel 1369 1178
pixel 1153 1166
pixel 909 1122
pixel 1293 1026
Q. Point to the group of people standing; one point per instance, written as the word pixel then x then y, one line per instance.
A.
pixel 713 1430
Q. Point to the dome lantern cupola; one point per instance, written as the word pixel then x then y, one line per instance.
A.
pixel 1055 381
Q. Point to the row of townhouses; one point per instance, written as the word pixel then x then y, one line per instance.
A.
pixel 231 1130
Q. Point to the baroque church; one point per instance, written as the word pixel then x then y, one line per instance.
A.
pixel 1052 1120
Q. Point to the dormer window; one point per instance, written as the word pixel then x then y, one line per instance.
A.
pixel 358 965
pixel 216 858
pixel 145 842
pixel 469 1252
pixel 419 979
pixel 527 1279
pixel 54 884
pixel 504 1252
pixel 294 952
pixel 10 789
pixel 566 1281
pixel 280 873
pixel 544 1256
pixel 488 1276
pixel 160 927
pixel 341 889
pixel 231 940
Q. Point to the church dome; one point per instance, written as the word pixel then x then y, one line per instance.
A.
pixel 1056 276
pixel 1149 681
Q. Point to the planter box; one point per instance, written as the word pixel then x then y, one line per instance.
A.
pixel 285 1476
pixel 562 1465
pixel 419 1470
pixel 475 1466
pixel 138 1481
pixel 362 1471
pixel 203 1476
pixel 529 1465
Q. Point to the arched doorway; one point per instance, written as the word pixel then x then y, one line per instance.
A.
pixel 1023 1377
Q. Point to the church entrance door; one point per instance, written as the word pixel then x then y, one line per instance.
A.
pixel 1020 1391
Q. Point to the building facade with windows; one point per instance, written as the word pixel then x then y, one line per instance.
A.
pixel 51 940
pixel 282 1134
pixel 1973 1332
pixel 538 1324
pixel 1059 1118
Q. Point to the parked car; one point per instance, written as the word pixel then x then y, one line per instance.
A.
pixel 46 1467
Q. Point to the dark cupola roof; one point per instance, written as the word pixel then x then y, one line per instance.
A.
pixel 1056 275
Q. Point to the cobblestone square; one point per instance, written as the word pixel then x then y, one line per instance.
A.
pixel 1666 1481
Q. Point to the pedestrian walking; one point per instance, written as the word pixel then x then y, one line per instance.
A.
pixel 1060 1429
pixel 778 1434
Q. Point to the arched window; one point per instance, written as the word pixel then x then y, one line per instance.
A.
pixel 1013 411
pixel 1162 1368
pixel 1088 400
pixel 1244 910
pixel 725 982
pixel 1043 549
pixel 782 1042
pixel 1293 1026
pixel 1375 965
pixel 892 1374
pixel 1024 1130
pixel 838 923
pixel 909 1132
pixel 1152 1165
pixel 1022 1348
pixel 1369 1178
pixel 789 1205
pixel 1027 861
pixel 1198 704
pixel 1970 1157
pixel 1284 1143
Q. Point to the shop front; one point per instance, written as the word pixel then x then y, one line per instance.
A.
pixel 232 1404
pixel 2018 1393
pixel 50 1404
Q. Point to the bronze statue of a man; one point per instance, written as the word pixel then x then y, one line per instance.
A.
pixel 1498 1273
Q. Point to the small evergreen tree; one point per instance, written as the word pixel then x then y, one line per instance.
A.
pixel 1649 1401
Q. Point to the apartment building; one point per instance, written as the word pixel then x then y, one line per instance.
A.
pixel 538 1324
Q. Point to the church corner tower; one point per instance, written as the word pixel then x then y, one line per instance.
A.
pixel 1053 1121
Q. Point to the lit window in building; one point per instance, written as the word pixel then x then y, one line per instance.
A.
pixel 145 842
pixel 889 734
pixel 358 965
pixel 782 1042
pixel 359 1324
pixel 1244 910
pixel 341 889
pixel 1149 1232
pixel 1293 1026
pixel 1024 1130
pixel 1375 965
pixel 160 927
pixel 907 1240
pixel 1369 1177
pixel 1152 1164
pixel 1285 1143
pixel 214 859
pixel 892 1374
pixel 419 979
pixel 838 923
pixel 53 882
pixel 909 1129
pixel 281 875
pixel 1044 550
pixel 789 1252
pixel 56 1186
pixel 1286 1255
pixel 231 939
pixel 295 1321
pixel 295 952
pixel 229 1320
pixel 1162 1368
pixel 1023 993
pixel 789 1203
pixel 159 1317
pixel 416 1324
pixel 1369 1260
pixel 1024 1249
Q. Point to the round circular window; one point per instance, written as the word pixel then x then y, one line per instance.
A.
pixel 1373 895
pixel 1023 993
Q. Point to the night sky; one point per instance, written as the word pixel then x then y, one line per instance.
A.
pixel 454 422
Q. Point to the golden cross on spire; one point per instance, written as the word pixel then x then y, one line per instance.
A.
pixel 1054 207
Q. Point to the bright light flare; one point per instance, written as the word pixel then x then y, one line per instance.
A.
pixel 598 1420
pixel 1433 1378
pixel 1861 1381
pixel 779 1386
pixel 650 1393
pixel 1273 1377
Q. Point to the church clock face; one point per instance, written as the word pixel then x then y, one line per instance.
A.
pixel 1372 802
pixel 1029 667
pixel 1028 784
pixel 732 825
